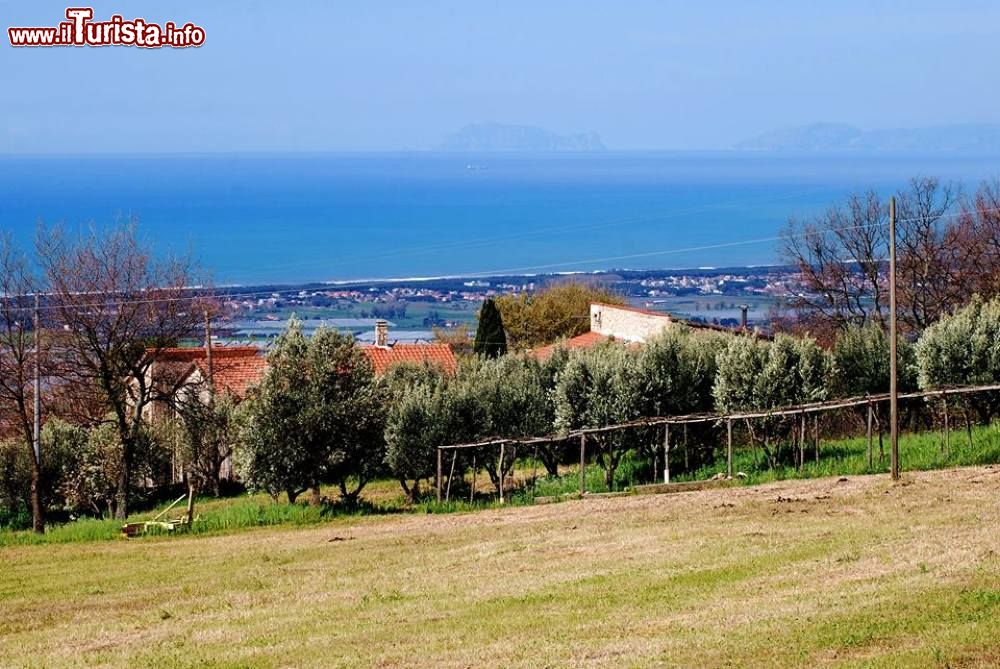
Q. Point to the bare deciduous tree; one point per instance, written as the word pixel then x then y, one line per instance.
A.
pixel 18 341
pixel 943 258
pixel 932 259
pixel 118 307
pixel 979 227
pixel 840 256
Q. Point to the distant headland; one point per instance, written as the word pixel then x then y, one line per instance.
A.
pixel 968 139
pixel 525 138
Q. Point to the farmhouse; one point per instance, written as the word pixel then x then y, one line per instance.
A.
pixel 614 322
pixel 178 375
pixel 175 373
pixel 629 325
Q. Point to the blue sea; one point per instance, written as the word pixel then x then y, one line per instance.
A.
pixel 295 218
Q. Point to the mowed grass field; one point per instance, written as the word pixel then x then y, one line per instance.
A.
pixel 856 572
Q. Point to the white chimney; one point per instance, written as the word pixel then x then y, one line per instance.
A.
pixel 382 333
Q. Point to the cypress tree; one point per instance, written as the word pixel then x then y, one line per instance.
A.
pixel 491 341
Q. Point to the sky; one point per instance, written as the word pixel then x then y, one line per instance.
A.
pixel 322 75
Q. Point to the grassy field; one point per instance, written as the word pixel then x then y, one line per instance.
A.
pixel 825 572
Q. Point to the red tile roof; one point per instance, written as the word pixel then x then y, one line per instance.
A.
pixel 237 368
pixel 586 340
pixel 235 375
pixel 234 368
pixel 383 357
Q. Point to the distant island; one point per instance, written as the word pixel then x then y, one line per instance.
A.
pixel 502 137
pixel 958 139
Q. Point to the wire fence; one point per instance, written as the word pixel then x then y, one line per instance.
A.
pixel 497 456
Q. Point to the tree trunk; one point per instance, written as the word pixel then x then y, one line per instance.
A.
pixel 350 497
pixel 612 466
pixel 412 492
pixel 550 460
pixel 315 496
pixel 122 493
pixel 37 512
pixel 190 501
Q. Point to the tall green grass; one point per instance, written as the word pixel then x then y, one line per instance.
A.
pixel 847 457
pixel 839 457
pixel 213 517
pixel 842 457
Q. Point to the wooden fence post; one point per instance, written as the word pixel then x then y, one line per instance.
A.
pixel 472 492
pixel 968 420
pixel 583 464
pixel 500 469
pixel 947 430
pixel 729 447
pixel 666 453
pixel 802 440
pixel 816 435
pixel 534 468
pixel 451 475
pixel 870 445
pixel 687 464
pixel 439 473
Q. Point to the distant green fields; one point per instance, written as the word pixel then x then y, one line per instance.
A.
pixel 416 312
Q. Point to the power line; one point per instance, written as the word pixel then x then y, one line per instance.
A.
pixel 566 228
pixel 690 249
pixel 497 272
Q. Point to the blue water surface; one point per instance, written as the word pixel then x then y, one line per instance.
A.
pixel 294 218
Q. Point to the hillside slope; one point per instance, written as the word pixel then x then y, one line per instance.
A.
pixel 827 572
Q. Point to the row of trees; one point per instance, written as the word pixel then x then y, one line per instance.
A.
pixel 320 416
pixel 351 427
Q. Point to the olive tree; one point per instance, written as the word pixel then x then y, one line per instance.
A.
pixel 551 453
pixel 756 375
pixel 600 387
pixel 676 371
pixel 860 362
pixel 316 417
pixel 207 434
pixel 505 397
pixel 90 484
pixel 963 349
pixel 414 425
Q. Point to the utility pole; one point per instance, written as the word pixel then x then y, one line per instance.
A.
pixel 208 355
pixel 37 437
pixel 38 523
pixel 893 392
pixel 210 372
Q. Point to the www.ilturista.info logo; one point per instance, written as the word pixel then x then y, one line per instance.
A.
pixel 81 30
